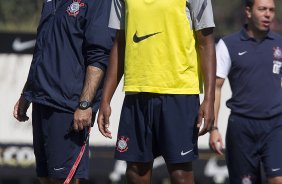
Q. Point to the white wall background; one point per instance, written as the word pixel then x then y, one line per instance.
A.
pixel 13 73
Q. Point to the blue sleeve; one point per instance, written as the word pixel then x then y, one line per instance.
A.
pixel 98 36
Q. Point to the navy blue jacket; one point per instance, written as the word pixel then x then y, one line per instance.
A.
pixel 255 77
pixel 72 34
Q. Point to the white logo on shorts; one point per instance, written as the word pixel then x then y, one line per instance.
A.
pixel 58 169
pixel 185 153
pixel 276 169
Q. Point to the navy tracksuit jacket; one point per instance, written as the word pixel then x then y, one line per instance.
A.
pixel 72 34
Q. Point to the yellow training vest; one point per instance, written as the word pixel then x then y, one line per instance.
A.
pixel 160 54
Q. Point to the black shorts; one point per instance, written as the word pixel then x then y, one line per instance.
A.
pixel 55 147
pixel 250 143
pixel 155 124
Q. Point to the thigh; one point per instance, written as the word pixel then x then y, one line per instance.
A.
pixel 242 151
pixel 176 130
pixel 272 149
pixel 134 139
pixel 38 142
pixel 58 147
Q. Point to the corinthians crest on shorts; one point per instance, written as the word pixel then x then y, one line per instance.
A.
pixel 246 180
pixel 122 144
pixel 73 9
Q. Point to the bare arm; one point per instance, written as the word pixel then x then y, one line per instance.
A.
pixel 92 81
pixel 215 136
pixel 114 74
pixel 83 118
pixel 115 68
pixel 206 50
pixel 218 87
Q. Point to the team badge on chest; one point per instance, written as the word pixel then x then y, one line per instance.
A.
pixel 73 9
pixel 277 63
pixel 277 53
pixel 122 144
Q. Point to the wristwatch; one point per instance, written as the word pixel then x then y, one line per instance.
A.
pixel 84 104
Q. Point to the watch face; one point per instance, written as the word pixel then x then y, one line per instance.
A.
pixel 84 105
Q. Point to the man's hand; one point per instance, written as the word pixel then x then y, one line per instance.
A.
pixel 82 119
pixel 103 120
pixel 206 112
pixel 20 109
pixel 215 142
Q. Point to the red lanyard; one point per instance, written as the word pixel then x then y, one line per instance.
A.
pixel 77 161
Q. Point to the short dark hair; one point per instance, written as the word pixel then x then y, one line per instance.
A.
pixel 249 3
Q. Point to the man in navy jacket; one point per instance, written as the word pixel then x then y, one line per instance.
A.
pixel 64 83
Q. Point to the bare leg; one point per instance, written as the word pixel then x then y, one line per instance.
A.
pixel 47 180
pixel 139 173
pixel 181 173
pixel 275 180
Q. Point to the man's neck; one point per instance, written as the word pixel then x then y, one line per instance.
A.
pixel 255 33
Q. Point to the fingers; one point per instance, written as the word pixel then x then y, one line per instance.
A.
pixel 80 125
pixel 215 142
pixel 206 116
pixel 203 130
pixel 23 118
pixel 75 126
pixel 217 146
pixel 208 122
pixel 20 109
pixel 15 112
pixel 104 120
pixel 82 119
pixel 199 121
pixel 103 125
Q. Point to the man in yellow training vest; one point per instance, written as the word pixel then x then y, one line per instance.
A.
pixel 163 48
